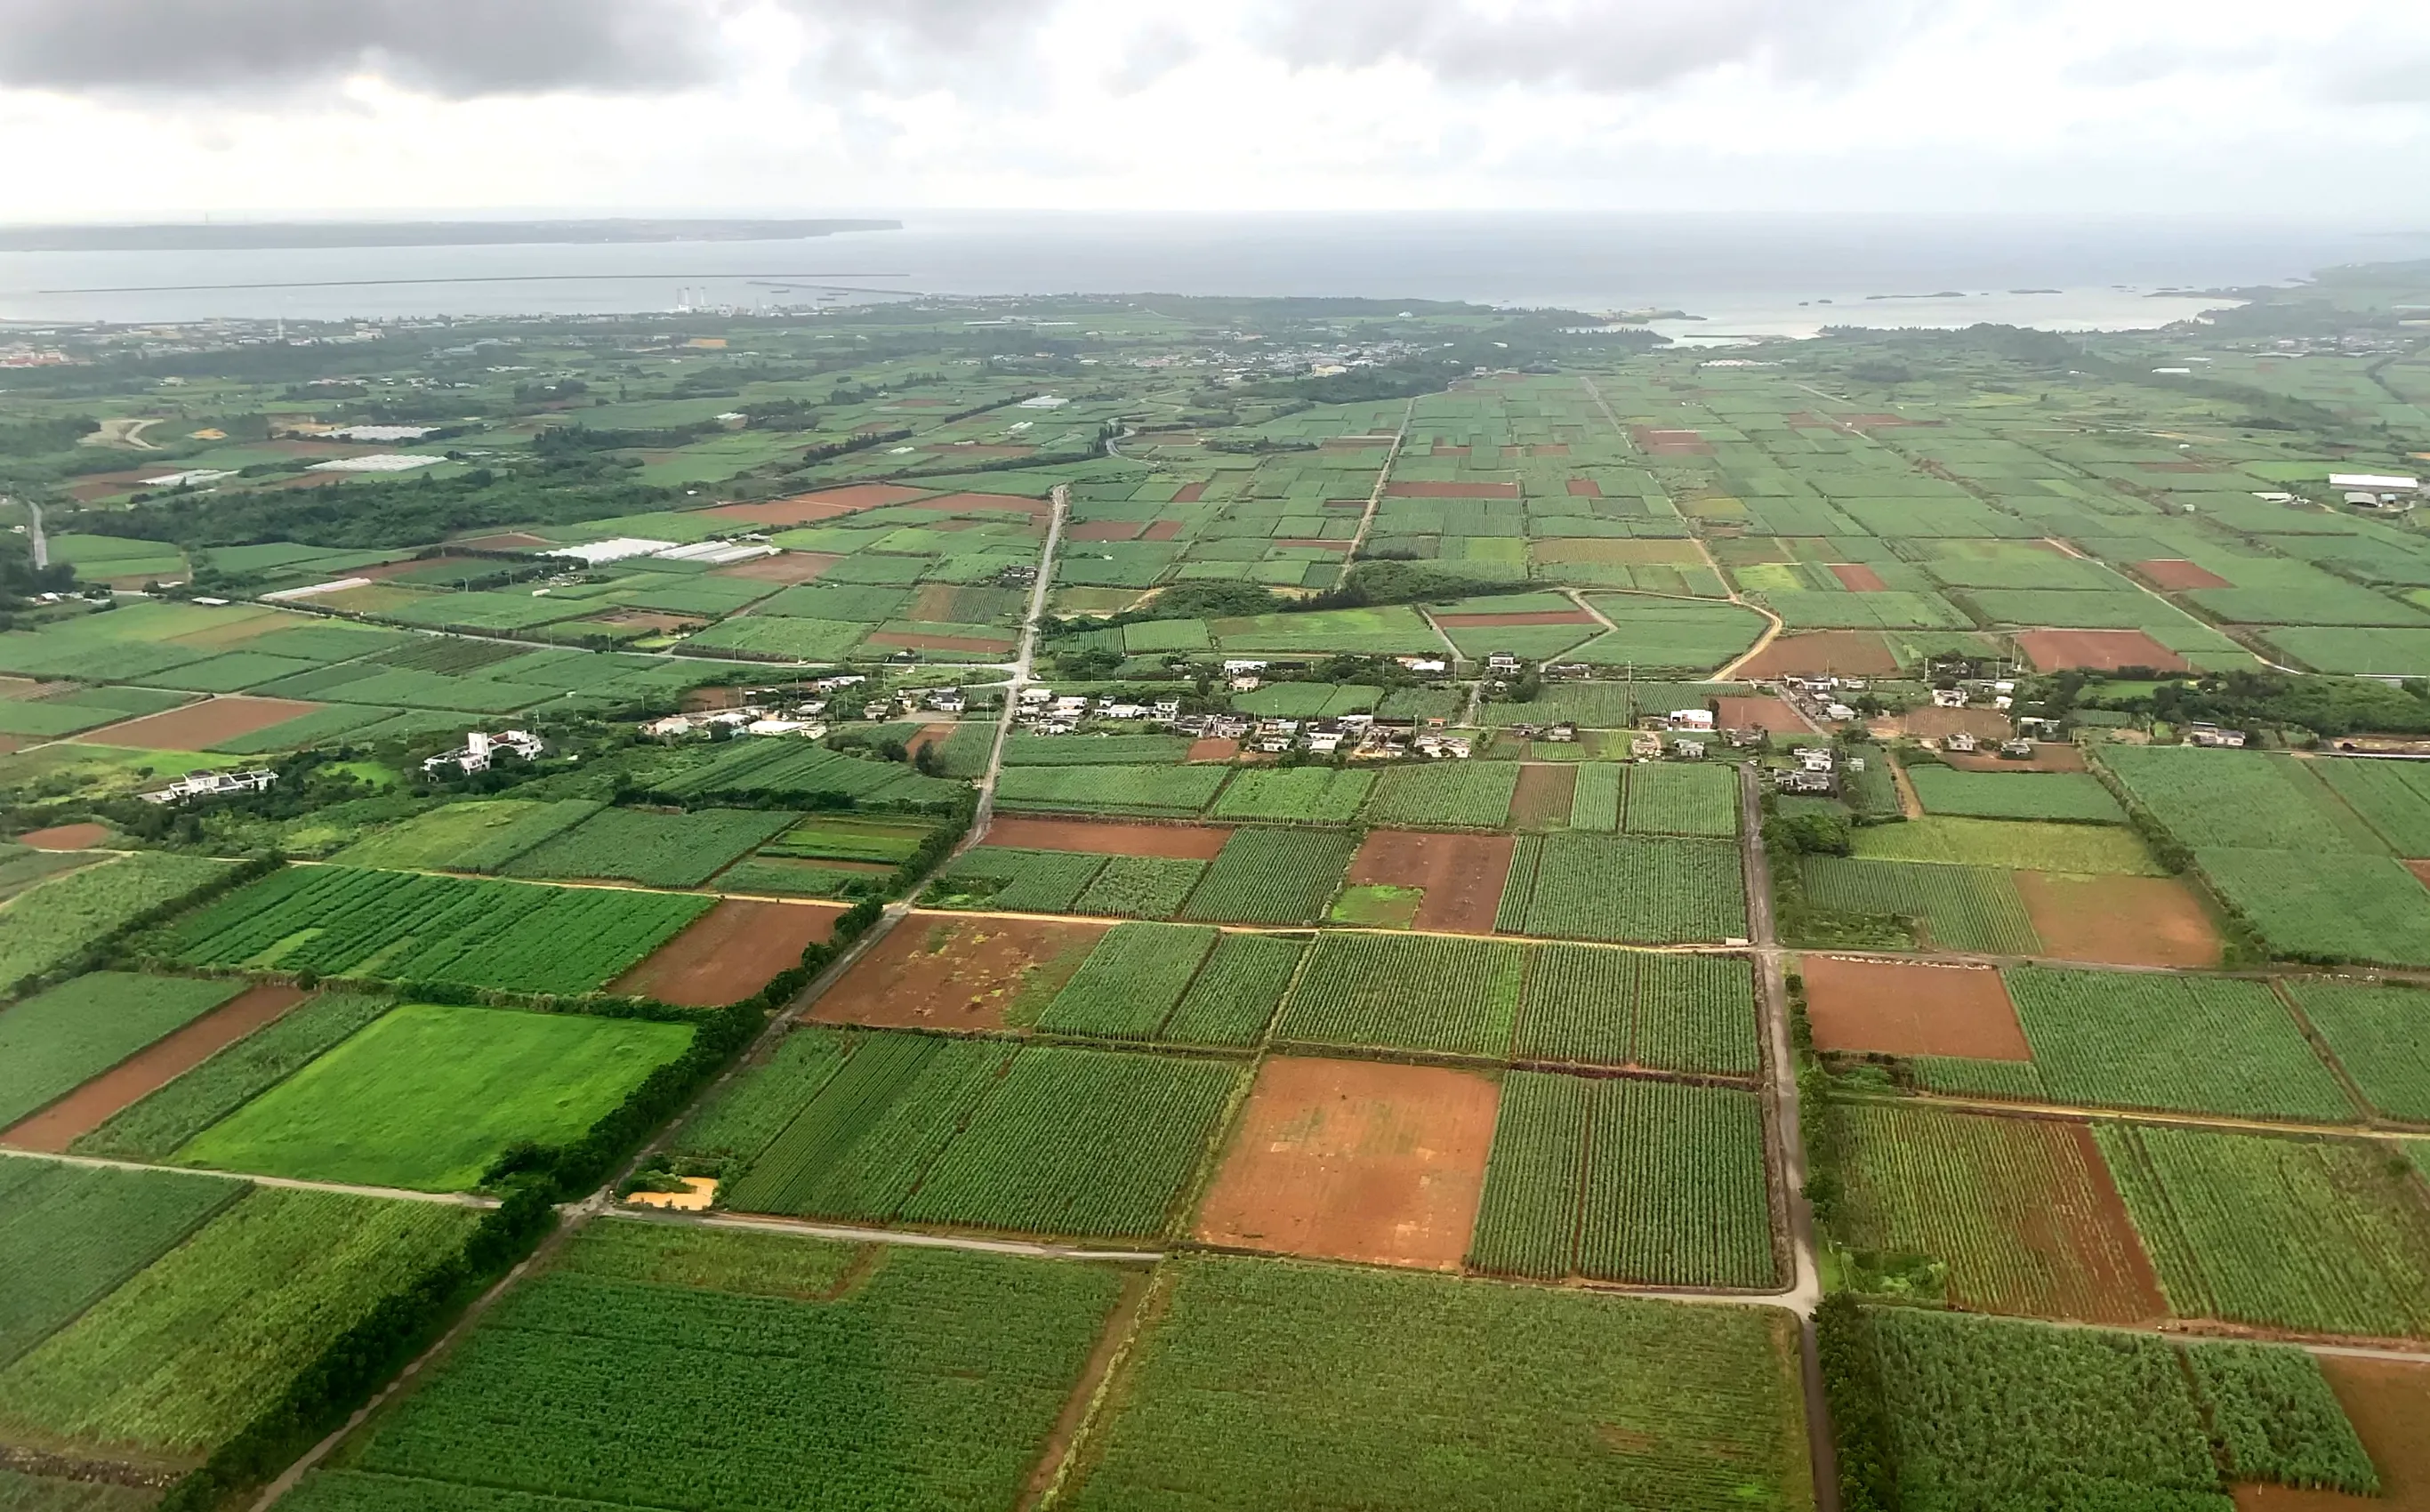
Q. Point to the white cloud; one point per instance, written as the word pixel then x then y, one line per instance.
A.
pixel 2222 105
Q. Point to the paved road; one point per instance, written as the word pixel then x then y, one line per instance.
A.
pixel 1022 667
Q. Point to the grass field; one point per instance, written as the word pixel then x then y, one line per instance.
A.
pixel 410 927
pixel 184 1355
pixel 2321 1236
pixel 48 925
pixel 2076 797
pixel 795 1373
pixel 480 836
pixel 2012 845
pixel 2188 1044
pixel 53 1043
pixel 1263 1385
pixel 2236 800
pixel 427 1097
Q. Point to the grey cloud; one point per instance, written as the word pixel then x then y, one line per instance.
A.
pixel 456 49
pixel 891 45
pixel 1614 46
pixel 1150 55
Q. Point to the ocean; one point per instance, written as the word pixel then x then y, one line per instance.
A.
pixel 1743 274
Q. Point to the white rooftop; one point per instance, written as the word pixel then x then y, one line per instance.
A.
pixel 613 550
pixel 377 462
pixel 2373 480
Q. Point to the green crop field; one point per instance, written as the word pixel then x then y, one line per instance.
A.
pixel 55 1042
pixel 2236 800
pixel 1079 1141
pixel 985 1134
pixel 152 1129
pixel 1595 801
pixel 409 927
pixel 794 1374
pixel 1984 1411
pixel 1667 635
pixel 1263 1387
pixel 1682 799
pixel 1236 991
pixel 1130 982
pixel 2381 1035
pixel 847 838
pixel 796 771
pixel 2182 1044
pixel 1955 907
pixel 69 1234
pixel 1646 890
pixel 1590 1006
pixel 1141 887
pixel 1024 750
pixel 1321 795
pixel 2324 1236
pixel 1169 791
pixel 481 836
pixel 1626 1180
pixel 744 1115
pixel 427 1097
pixel 48 925
pixel 2010 845
pixel 150 1368
pixel 654 849
pixel 2076 797
pixel 1409 992
pixel 1445 795
pixel 1271 876
pixel 2393 797
pixel 2324 906
pixel 1004 876
pixel 2015 1208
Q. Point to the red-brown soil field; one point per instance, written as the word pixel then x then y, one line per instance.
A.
pixel 2120 920
pixel 730 952
pixel 805 508
pixel 1831 652
pixel 785 567
pixel 1193 842
pixel 1545 790
pixel 1584 488
pixel 1105 530
pixel 1214 748
pixel 2097 650
pixel 65 836
pixel 1472 489
pixel 2174 573
pixel 2049 755
pixel 2389 1403
pixel 1462 874
pixel 1909 1009
pixel 1355 1160
pixel 1759 714
pixel 1933 723
pixel 199 727
pixel 150 1069
pixel 1163 530
pixel 1858 578
pixel 964 502
pixel 951 972
pixel 1190 494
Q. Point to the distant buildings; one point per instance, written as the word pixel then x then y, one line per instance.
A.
pixel 479 750
pixel 211 785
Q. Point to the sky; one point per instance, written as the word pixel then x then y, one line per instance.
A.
pixel 149 109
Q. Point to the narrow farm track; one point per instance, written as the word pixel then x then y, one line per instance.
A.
pixel 1023 665
pixel 447 1199
pixel 858 1234
pixel 1375 494
pixel 2226 1121
pixel 1781 1104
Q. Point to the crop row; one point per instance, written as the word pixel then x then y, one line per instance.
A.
pixel 1648 890
pixel 659 850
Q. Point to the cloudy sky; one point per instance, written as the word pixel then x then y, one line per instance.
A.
pixel 136 109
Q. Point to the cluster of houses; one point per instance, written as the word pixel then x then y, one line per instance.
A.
pixel 774 711
pixel 210 785
pixel 480 748
pixel 1817 772
pixel 1040 710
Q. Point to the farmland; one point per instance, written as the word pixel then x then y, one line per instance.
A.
pixel 73 1234
pixel 1270 876
pixel 2326 906
pixel 2377 1036
pixel 427 1097
pixel 482 835
pixel 1114 790
pixel 1261 1387
pixel 408 927
pixel 758 1350
pixel 1459 996
pixel 2074 797
pixel 1593 1006
pixel 658 850
pixel 1445 795
pixel 1645 889
pixel 49 924
pixel 1307 794
pixel 1130 983
pixel 52 1044
pixel 1952 908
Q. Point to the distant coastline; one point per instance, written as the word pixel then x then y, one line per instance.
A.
pixel 265 236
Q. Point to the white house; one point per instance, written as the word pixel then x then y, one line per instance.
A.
pixel 480 748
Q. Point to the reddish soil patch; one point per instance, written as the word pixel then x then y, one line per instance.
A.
pixel 1858 578
pixel 949 972
pixel 2421 870
pixel 912 641
pixel 2388 1404
pixel 1190 494
pixel 1933 723
pixel 1546 792
pixel 10 744
pixel 2124 1288
pixel 962 503
pixel 1107 530
pixel 826 503
pixel 200 726
pixel 2049 755
pixel 1585 489
pixel 1462 874
pixel 1193 843
pixel 1320 546
pixel 785 567
pixel 1478 490
pixel 1359 505
pixel 2097 650
pixel 1489 622
pixel 1163 530
pixel 1905 1008
pixel 1831 652
pixel 65 836
pixel 508 541
pixel 1670 443
pixel 1355 1160
pixel 2174 574
pixel 150 1069
pixel 731 951
pixel 930 734
pixel 1759 714
pixel 1549 449
pixel 2118 921
pixel 1214 748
